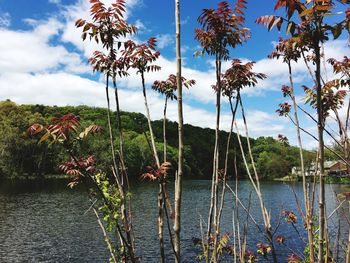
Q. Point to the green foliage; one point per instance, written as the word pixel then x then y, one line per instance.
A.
pixel 276 159
pixel 22 156
pixel 113 201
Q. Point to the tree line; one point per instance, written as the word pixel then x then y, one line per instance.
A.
pixel 22 156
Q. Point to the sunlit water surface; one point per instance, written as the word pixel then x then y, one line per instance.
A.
pixel 47 222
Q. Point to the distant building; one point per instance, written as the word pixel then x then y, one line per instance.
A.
pixel 331 168
pixel 336 168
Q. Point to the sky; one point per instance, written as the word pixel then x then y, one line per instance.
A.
pixel 43 60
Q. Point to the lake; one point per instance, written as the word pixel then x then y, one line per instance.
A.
pixel 44 221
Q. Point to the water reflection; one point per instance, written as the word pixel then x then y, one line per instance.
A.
pixel 46 222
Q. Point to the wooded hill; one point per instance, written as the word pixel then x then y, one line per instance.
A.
pixel 21 155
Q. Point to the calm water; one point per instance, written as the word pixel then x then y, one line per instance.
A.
pixel 46 222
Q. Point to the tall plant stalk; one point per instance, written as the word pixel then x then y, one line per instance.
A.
pixel 164 131
pixel 178 181
pixel 308 210
pixel 320 125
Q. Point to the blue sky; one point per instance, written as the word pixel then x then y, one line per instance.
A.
pixel 43 60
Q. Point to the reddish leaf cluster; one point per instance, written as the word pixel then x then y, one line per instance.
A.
pixel 222 28
pixel 270 21
pixel 263 249
pixel 289 216
pixel 286 90
pixel 239 76
pixel 78 167
pixel 332 97
pixel 107 23
pixel 139 56
pixel 308 12
pixel 293 259
pixel 342 66
pixel 160 174
pixel 283 139
pixel 251 256
pixel 169 86
pixel 288 49
pixel 284 109
pixel 108 64
pixel 61 129
pixel 291 7
pixel 280 239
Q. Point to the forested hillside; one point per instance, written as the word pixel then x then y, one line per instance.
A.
pixel 23 156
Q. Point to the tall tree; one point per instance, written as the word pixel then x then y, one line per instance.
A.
pixel 178 182
pixel 313 31
pixel 107 27
pixel 168 88
pixel 290 50
pixel 221 29
pixel 140 57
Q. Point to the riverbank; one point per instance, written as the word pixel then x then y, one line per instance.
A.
pixel 328 179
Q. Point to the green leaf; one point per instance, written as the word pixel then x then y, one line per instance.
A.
pixel 44 138
pixel 336 30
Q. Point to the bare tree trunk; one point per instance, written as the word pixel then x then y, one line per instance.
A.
pixel 128 218
pixel 213 213
pixel 111 139
pixel 120 129
pixel 320 124
pixel 178 181
pixel 222 202
pixel 153 143
pixel 155 155
pixel 164 130
pixel 256 184
pixel 160 223
pixel 308 217
pixel 348 250
pixel 104 232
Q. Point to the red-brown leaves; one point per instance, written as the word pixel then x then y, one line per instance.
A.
pixel 61 129
pixel 332 97
pixel 284 109
pixel 342 66
pixel 270 21
pixel 286 90
pixel 76 167
pixel 288 49
pixel 290 216
pixel 139 56
pixel 291 7
pixel 109 64
pixel 280 239
pixel 263 249
pixel 222 28
pixel 293 259
pixel 251 256
pixel 107 24
pixel 169 86
pixel 239 76
pixel 160 174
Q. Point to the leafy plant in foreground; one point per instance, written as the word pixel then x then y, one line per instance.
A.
pixel 67 132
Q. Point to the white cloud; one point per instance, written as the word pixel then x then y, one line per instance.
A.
pixel 81 9
pixel 31 51
pixel 5 20
pixel 165 40
pixel 56 2
pixel 141 28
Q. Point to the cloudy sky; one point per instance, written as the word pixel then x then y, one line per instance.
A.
pixel 43 60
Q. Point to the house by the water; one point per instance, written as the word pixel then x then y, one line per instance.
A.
pixel 332 168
